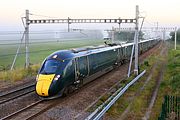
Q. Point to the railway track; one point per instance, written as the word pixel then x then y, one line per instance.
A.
pixel 13 94
pixel 35 109
pixel 22 110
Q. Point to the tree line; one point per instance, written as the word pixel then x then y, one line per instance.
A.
pixel 172 34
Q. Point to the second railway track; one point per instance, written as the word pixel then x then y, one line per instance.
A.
pixel 13 94
pixel 22 110
pixel 13 100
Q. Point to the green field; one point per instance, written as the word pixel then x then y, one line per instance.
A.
pixel 39 51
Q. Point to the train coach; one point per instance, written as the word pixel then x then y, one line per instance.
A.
pixel 66 70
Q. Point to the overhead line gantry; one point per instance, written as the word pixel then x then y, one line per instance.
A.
pixel 69 21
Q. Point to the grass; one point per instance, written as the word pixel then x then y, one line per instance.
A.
pixel 173 70
pixel 20 73
pixel 124 101
pixel 139 99
pixel 137 107
pixel 105 97
pixel 38 52
pixel 171 82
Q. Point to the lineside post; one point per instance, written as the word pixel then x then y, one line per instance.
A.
pixel 136 41
pixel 175 38
pixel 27 39
pixel 164 34
pixel 113 35
pixel 119 24
pixel 157 30
pixel 68 24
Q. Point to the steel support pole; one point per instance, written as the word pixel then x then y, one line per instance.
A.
pixel 164 35
pixel 17 52
pixel 175 38
pixel 27 38
pixel 132 53
pixel 157 30
pixel 136 41
pixel 119 25
pixel 113 34
pixel 68 25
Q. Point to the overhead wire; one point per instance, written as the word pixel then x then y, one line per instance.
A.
pixel 41 32
pixel 29 52
pixel 53 32
pixel 152 24
pixel 41 15
pixel 45 32
pixel 43 42
pixel 38 51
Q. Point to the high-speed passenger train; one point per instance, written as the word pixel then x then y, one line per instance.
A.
pixel 66 70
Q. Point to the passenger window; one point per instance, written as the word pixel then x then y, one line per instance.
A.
pixel 82 62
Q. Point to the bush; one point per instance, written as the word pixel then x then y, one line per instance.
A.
pixel 146 63
pixel 20 73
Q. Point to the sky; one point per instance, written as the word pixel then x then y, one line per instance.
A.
pixel 165 12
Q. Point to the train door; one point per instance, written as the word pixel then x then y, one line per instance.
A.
pixel 120 53
pixel 82 67
pixel 125 52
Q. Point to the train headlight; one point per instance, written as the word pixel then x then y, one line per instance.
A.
pixel 57 77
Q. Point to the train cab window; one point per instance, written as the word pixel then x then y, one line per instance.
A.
pixel 50 67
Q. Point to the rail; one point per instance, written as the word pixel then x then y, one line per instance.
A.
pixel 8 96
pixel 21 110
pixel 13 91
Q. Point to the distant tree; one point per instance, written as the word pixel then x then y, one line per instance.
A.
pixel 127 36
pixel 141 35
pixel 124 36
pixel 172 34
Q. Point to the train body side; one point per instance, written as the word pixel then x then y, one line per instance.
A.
pixel 79 68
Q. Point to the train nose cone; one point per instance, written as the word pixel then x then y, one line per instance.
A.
pixel 43 84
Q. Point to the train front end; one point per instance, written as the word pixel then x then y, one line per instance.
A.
pixel 50 80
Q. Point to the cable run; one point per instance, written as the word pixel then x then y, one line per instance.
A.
pixel 42 42
pixel 41 15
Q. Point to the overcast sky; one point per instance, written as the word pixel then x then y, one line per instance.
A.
pixel 166 12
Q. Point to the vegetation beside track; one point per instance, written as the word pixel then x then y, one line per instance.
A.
pixel 171 83
pixel 138 100
pixel 19 74
pixel 134 96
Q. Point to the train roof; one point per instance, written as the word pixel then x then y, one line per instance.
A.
pixel 101 48
pixel 78 52
pixel 61 55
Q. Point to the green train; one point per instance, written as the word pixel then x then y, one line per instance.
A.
pixel 66 70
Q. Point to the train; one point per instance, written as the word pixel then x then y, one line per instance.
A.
pixel 65 71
